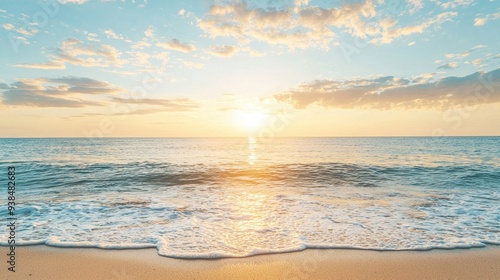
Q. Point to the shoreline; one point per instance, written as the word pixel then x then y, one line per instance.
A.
pixel 47 262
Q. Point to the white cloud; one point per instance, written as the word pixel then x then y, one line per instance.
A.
pixel 149 33
pixel 110 34
pixel 390 31
pixel 458 55
pixel 76 52
pixel 141 45
pixel 256 53
pixel 176 45
pixel 416 5
pixel 92 37
pixel 55 92
pixel 192 64
pixel 72 1
pixel 449 65
pixel 8 26
pixel 482 20
pixel 452 4
pixel 306 25
pixel 24 31
pixel 394 93
pixel 224 51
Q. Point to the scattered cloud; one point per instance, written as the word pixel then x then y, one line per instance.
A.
pixel 72 1
pixel 390 31
pixel 224 51
pixel 479 21
pixel 92 37
pixel 452 4
pixel 416 5
pixel 74 51
pixel 192 64
pixel 304 25
pixel 411 43
pixel 482 20
pixel 149 33
pixel 449 65
pixel 29 31
pixel 141 58
pixel 256 53
pixel 396 93
pixel 176 45
pixel 141 45
pixel 477 47
pixel 55 92
pixel 110 34
pixel 477 61
pixel 459 55
pixel 174 104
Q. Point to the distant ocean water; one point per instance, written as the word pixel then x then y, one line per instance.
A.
pixel 233 197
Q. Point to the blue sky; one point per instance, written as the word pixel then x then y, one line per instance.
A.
pixel 187 68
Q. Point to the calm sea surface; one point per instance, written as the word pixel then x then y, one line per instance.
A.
pixel 231 197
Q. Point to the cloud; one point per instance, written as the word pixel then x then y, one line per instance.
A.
pixel 389 30
pixel 274 26
pixel 149 33
pixel 72 1
pixel 55 92
pixel 141 45
pixel 174 104
pixel 128 111
pixel 411 43
pixel 396 93
pixel 192 64
pixel 460 55
pixel 141 58
pixel 256 53
pixel 477 61
pixel 113 35
pixel 92 37
pixel 416 5
pixel 449 65
pixel 452 4
pixel 176 45
pixel 224 51
pixel 477 47
pixel 24 31
pixel 479 21
pixel 305 25
pixel 482 20
pixel 76 52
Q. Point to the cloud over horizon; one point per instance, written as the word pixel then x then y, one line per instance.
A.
pixel 54 92
pixel 397 93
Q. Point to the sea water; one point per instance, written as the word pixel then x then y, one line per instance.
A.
pixel 235 197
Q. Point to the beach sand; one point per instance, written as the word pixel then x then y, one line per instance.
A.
pixel 43 262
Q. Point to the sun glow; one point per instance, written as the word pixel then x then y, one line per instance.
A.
pixel 251 120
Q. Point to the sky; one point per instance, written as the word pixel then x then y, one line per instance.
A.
pixel 200 68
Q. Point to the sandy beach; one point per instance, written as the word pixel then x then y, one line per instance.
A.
pixel 43 262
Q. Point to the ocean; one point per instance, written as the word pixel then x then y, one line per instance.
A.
pixel 236 197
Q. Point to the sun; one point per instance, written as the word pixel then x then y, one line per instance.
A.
pixel 251 119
